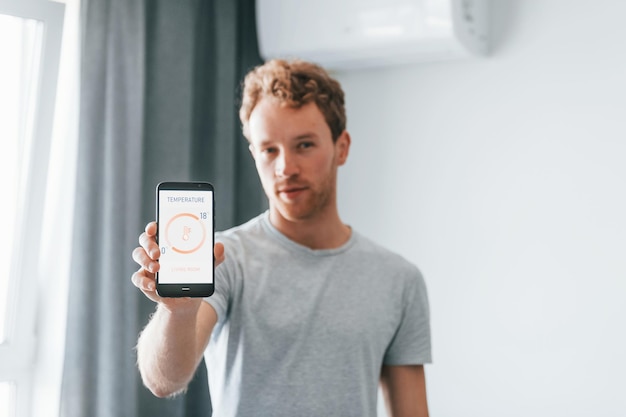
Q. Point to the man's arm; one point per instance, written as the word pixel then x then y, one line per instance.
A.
pixel 171 346
pixel 404 389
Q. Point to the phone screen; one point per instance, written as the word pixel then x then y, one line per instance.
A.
pixel 186 238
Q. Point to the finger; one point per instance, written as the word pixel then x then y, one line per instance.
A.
pixel 151 229
pixel 146 262
pixel 218 253
pixel 143 280
pixel 150 246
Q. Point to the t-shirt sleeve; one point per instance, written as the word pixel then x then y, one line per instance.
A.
pixel 411 344
pixel 219 299
pixel 225 285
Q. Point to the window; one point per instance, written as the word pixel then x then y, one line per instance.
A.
pixel 30 40
pixel 18 79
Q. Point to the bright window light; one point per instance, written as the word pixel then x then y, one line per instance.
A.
pixel 30 44
pixel 19 52
pixel 7 399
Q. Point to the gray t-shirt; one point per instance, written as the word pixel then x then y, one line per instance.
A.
pixel 305 332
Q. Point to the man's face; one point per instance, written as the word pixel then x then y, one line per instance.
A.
pixel 296 158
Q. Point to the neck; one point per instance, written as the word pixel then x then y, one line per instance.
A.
pixel 323 231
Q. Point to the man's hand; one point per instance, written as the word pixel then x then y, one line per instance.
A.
pixel 147 255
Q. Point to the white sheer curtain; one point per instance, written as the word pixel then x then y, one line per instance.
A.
pixel 57 227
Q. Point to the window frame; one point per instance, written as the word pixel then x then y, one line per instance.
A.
pixel 17 353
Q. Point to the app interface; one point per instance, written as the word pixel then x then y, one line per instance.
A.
pixel 186 237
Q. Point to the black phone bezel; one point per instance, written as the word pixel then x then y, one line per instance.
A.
pixel 186 290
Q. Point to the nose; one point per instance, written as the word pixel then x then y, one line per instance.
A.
pixel 286 165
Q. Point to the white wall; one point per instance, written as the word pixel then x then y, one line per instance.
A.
pixel 504 180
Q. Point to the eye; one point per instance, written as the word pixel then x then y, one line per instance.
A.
pixel 269 150
pixel 305 145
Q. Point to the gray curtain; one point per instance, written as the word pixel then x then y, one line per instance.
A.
pixel 159 96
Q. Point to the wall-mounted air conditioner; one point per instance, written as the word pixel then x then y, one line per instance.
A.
pixel 344 34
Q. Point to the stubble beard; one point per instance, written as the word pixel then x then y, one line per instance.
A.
pixel 317 201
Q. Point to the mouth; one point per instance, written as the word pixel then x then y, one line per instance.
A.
pixel 291 193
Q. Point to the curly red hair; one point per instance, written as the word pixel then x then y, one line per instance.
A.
pixel 294 83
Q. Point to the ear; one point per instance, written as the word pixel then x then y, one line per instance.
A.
pixel 342 147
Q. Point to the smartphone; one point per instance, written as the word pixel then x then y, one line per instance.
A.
pixel 186 235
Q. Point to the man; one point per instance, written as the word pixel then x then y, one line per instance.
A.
pixel 308 316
